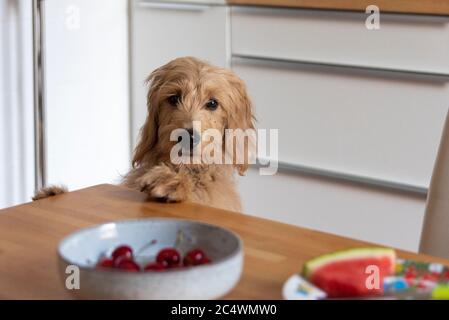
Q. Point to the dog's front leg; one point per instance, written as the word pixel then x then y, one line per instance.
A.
pixel 165 183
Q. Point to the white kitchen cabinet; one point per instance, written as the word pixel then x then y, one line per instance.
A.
pixel 359 123
pixel 87 91
pixel 403 42
pixel 352 210
pixel 350 105
pixel 162 31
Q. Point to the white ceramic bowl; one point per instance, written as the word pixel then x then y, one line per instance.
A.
pixel 210 281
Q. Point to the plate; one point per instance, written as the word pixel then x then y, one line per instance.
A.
pixel 412 280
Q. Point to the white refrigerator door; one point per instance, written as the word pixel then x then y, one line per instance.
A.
pixel 87 107
pixel 16 103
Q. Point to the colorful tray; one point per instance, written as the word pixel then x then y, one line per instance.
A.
pixel 412 280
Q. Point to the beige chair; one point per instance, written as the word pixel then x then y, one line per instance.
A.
pixel 435 232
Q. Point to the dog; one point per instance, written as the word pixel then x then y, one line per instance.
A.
pixel 181 92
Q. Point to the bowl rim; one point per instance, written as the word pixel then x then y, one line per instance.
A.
pixel 66 260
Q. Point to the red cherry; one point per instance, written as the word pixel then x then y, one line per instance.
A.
pixel 119 260
pixel 410 273
pixel 409 276
pixel 446 275
pixel 155 266
pixel 410 269
pixel 122 251
pixel 422 285
pixel 127 264
pixel 205 260
pixel 169 257
pixel 432 276
pixel 195 257
pixel 105 263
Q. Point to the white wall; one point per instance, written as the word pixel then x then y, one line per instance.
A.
pixel 16 103
pixel 87 95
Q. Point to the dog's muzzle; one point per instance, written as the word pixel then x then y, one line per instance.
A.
pixel 193 140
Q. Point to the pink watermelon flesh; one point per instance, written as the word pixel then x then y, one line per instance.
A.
pixel 347 278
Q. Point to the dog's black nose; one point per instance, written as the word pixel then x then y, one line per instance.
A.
pixel 194 139
pixel 191 133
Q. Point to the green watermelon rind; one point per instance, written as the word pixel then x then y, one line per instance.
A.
pixel 357 253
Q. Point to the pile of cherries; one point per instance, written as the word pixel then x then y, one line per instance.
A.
pixel 169 258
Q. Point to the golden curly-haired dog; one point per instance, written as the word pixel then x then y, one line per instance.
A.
pixel 182 91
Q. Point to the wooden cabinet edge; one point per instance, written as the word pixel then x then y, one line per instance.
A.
pixel 429 7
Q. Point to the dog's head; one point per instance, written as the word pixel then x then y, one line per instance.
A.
pixel 187 91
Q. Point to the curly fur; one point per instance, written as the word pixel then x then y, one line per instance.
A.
pixel 196 82
pixel 49 192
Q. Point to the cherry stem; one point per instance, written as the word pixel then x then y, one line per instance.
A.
pixel 178 241
pixel 146 246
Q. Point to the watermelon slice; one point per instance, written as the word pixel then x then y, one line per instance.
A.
pixel 343 274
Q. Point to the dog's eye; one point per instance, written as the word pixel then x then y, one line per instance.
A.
pixel 174 100
pixel 212 104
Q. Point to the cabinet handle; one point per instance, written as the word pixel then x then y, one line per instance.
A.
pixel 348 177
pixel 172 6
pixel 339 67
pixel 343 14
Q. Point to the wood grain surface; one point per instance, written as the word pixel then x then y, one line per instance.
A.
pixel 439 7
pixel 30 233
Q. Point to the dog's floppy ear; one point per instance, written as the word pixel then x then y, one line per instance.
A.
pixel 241 116
pixel 148 133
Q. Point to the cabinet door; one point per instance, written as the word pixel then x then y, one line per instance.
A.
pixel 347 209
pixel 164 31
pixel 360 123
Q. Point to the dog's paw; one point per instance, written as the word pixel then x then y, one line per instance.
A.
pixel 49 192
pixel 163 184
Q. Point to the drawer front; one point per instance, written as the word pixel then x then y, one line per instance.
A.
pixel 371 125
pixel 345 209
pixel 403 42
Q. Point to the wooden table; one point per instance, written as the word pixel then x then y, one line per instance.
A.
pixel 29 235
